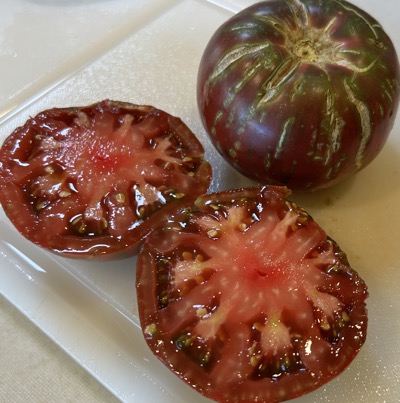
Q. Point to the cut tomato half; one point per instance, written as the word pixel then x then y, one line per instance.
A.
pixel 247 299
pixel 93 181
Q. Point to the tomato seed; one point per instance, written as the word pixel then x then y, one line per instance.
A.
pixel 345 317
pixel 76 220
pixel 164 297
pixel 103 224
pixel 242 226
pixel 187 255
pixel 291 205
pixel 285 363
pixel 82 228
pixel 199 279
pixel 120 197
pixel 303 217
pixel 254 360
pixel 141 211
pixel 333 268
pixel 324 325
pixel 262 367
pixel 41 205
pixel 212 233
pixel 151 330
pixel 184 341
pixel 199 258
pixel 201 312
pixel 49 169
pixel 64 193
pixel 343 320
pixel 258 326
pixel 205 358
pixel 252 349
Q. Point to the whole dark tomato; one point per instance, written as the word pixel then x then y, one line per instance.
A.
pixel 94 180
pixel 245 297
pixel 299 92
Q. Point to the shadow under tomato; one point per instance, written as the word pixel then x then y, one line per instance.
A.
pixel 362 215
pixel 378 181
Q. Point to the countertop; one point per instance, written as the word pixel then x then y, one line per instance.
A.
pixel 35 369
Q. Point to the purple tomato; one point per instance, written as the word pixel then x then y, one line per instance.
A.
pixel 299 92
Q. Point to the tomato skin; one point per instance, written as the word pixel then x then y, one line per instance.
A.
pixel 247 299
pixel 302 93
pixel 92 182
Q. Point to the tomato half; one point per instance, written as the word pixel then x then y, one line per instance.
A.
pixel 247 299
pixel 93 181
pixel 299 92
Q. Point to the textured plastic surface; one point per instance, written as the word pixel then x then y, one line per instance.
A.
pixel 147 52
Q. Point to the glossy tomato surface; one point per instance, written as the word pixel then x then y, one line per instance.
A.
pixel 93 181
pixel 247 299
pixel 299 92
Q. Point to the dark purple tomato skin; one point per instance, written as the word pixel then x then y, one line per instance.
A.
pixel 302 93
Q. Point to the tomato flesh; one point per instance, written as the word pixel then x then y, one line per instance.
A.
pixel 247 299
pixel 92 181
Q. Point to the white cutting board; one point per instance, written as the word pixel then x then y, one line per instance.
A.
pixel 71 52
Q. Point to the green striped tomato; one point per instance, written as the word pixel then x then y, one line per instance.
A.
pixel 299 92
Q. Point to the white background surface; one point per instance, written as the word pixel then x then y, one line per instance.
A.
pixel 72 52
